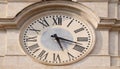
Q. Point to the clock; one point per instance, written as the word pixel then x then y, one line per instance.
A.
pixel 57 36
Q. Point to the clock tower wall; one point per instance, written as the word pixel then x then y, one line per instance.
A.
pixel 105 55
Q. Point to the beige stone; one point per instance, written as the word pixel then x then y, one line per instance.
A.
pixel 25 62
pixel 1 62
pixel 15 7
pixel 102 43
pixel 115 61
pixel 10 62
pixel 114 43
pixel 94 61
pixel 100 8
pixel 2 42
pixel 105 55
pixel 119 11
pixel 113 10
pixel 3 7
pixel 119 44
pixel 13 45
pixel 23 0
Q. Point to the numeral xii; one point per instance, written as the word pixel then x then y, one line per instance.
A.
pixel 57 20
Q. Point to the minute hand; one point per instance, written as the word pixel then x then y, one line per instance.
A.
pixel 68 40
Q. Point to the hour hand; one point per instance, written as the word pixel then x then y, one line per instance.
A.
pixel 58 41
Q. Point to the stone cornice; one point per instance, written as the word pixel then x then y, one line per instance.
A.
pixel 4 1
pixel 39 7
pixel 105 23
pixel 109 23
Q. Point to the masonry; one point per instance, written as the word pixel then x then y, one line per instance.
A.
pixel 105 55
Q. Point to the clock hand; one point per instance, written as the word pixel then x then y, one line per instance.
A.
pixel 65 39
pixel 58 41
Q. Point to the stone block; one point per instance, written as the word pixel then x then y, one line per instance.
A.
pixel 13 45
pixel 119 43
pixel 119 11
pixel 10 62
pixel 114 43
pixel 22 62
pixel 94 61
pixel 113 10
pixel 102 43
pixel 99 8
pixel 2 42
pixel 3 7
pixel 23 0
pixel 115 61
pixel 1 62
pixel 15 7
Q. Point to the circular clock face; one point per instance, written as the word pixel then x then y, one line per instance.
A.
pixel 57 37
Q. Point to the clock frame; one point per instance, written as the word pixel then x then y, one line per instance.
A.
pixel 65 7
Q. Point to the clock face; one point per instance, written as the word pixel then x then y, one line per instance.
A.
pixel 57 37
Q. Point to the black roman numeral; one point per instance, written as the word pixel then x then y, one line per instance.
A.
pixel 70 56
pixel 31 39
pixel 78 30
pixel 43 55
pixel 70 22
pixel 78 48
pixel 36 50
pixel 33 29
pixel 33 47
pixel 43 22
pixel 82 38
pixel 57 20
pixel 56 58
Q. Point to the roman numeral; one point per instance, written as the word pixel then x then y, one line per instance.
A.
pixel 33 47
pixel 56 58
pixel 78 30
pixel 70 56
pixel 70 22
pixel 33 29
pixel 57 20
pixel 43 55
pixel 36 50
pixel 82 38
pixel 78 48
pixel 31 39
pixel 43 22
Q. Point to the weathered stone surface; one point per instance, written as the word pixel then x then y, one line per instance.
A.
pixel 13 45
pixel 2 42
pixel 115 61
pixel 102 43
pixel 100 8
pixel 26 62
pixel 3 10
pixel 114 43
pixel 113 10
pixel 15 7
pixel 105 55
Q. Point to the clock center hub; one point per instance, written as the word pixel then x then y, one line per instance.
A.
pixel 50 42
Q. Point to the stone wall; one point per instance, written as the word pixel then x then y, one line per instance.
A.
pixel 106 54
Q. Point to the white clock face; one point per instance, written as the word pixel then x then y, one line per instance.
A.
pixel 57 38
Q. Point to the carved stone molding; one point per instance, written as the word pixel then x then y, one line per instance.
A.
pixel 109 23
pixel 35 9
